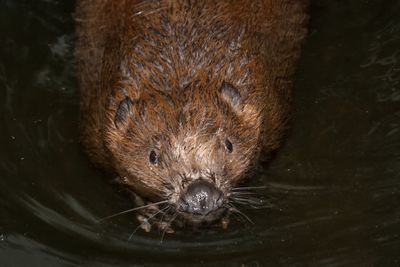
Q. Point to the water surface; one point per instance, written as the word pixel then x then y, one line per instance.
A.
pixel 335 186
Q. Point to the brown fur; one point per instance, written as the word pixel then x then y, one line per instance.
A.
pixel 168 60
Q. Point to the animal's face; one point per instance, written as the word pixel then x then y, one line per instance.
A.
pixel 189 149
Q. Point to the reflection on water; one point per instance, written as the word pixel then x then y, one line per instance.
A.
pixel 333 190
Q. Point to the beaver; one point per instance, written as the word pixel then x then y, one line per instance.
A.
pixel 180 98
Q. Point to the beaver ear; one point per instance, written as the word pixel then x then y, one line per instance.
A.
pixel 123 111
pixel 231 94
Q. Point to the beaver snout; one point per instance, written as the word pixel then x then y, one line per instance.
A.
pixel 201 198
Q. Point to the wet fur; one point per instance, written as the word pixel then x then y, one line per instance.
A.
pixel 181 77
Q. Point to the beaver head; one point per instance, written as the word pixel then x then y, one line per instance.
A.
pixel 189 147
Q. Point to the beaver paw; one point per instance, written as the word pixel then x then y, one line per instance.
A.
pixel 144 223
pixel 147 220
pixel 225 222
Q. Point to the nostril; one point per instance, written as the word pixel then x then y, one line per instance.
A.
pixel 201 197
pixel 220 201
pixel 183 205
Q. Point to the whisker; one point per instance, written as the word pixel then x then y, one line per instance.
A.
pixel 254 203
pixel 248 200
pixel 146 221
pixel 243 193
pixel 240 218
pixel 257 207
pixel 166 227
pixel 162 217
pixel 133 209
pixel 234 209
pixel 248 188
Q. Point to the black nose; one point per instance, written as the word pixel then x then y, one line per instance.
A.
pixel 201 197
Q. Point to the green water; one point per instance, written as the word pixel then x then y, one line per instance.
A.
pixel 335 186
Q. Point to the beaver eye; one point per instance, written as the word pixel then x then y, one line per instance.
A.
pixel 228 145
pixel 153 157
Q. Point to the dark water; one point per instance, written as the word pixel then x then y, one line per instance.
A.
pixel 336 183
